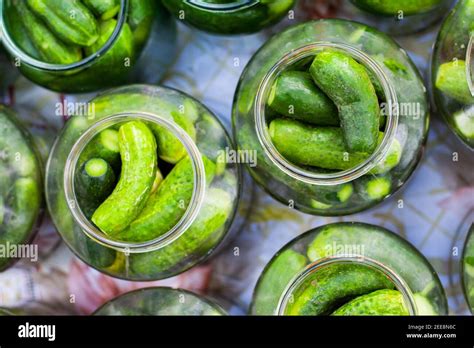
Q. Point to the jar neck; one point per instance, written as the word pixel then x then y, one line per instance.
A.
pixel 17 52
pixel 308 176
pixel 189 215
pixel 310 271
pixel 470 64
pixel 229 6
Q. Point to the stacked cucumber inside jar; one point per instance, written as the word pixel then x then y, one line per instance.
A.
pixel 453 71
pixel 348 269
pixel 80 46
pixel 141 190
pixel 337 114
pixel 20 188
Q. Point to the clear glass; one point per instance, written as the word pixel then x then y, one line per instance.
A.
pixel 21 189
pixel 229 16
pixel 8 74
pixel 404 103
pixel 452 71
pixel 397 17
pixel 468 268
pixel 323 269
pixel 160 301
pixel 139 47
pixel 201 212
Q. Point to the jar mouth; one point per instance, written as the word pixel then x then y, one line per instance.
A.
pixel 470 64
pixel 234 5
pixel 18 52
pixel 308 176
pixel 189 215
pixel 316 266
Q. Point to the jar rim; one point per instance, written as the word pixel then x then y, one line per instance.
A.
pixel 186 219
pixel 18 52
pixel 470 64
pixel 340 177
pixel 232 6
pixel 298 279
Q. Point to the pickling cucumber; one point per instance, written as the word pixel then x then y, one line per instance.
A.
pixel 373 187
pixel 333 285
pixel 24 204
pixel 105 9
pixel 19 32
pixel 170 148
pixel 167 204
pixel 276 279
pixel 120 50
pixel 295 95
pixel 380 302
pixel 104 145
pixel 204 230
pixel 93 184
pixel 322 147
pixel 451 79
pixel 348 85
pixel 70 20
pixel 138 153
pixel 48 46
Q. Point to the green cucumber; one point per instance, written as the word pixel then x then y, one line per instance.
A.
pixel 120 50
pixel 24 204
pixel 374 188
pixel 19 32
pixel 70 20
pixel 348 85
pixel 333 285
pixel 275 279
pixel 200 236
pixel 464 122
pixel 139 163
pixel 93 184
pixel 451 79
pixel 324 147
pixel 380 302
pixel 140 17
pixel 105 9
pixel 104 145
pixel 295 95
pixel 48 46
pixel 167 204
pixel 170 148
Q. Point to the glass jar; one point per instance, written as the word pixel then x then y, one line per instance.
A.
pixel 134 41
pixel 401 17
pixel 21 190
pixel 161 227
pixel 404 122
pixel 229 17
pixel 452 71
pixel 468 268
pixel 347 269
pixel 160 301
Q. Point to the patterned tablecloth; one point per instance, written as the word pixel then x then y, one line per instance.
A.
pixel 438 201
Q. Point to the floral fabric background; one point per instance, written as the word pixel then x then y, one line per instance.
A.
pixel 438 201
